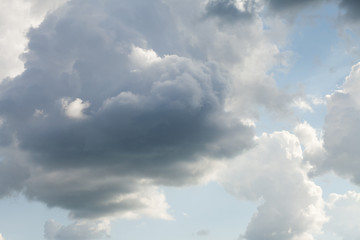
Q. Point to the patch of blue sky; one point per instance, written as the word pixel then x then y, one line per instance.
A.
pixel 319 61
pixel 319 64
pixel 200 212
pixel 23 219
pixel 331 183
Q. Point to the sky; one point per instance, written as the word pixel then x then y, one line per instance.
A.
pixel 181 120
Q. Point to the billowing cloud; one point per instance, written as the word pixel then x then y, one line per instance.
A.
pixel 341 129
pixel 1 237
pixel 314 152
pixel 91 194
pixel 106 111
pixel 80 230
pixel 344 212
pixel 273 173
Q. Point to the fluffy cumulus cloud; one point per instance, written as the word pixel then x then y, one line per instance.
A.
pixel 314 152
pixel 119 97
pixel 79 230
pixel 281 5
pixel 344 212
pixel 1 237
pixel 114 101
pixel 274 173
pixel 341 129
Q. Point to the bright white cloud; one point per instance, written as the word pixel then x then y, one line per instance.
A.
pixel 273 173
pixel 74 109
pixel 302 105
pixel 314 152
pixel 1 237
pixel 344 212
pixel 142 57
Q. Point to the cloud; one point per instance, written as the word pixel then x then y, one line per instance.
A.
pixel 1 237
pixel 13 171
pixel 73 109
pixel 119 98
pixel 95 193
pixel 341 128
pixel 344 212
pixel 351 8
pixel 273 173
pixel 280 5
pixel 303 105
pixel 314 152
pixel 106 111
pixel 231 10
pixel 16 17
pixel 77 231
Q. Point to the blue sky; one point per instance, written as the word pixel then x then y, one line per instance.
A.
pixel 167 119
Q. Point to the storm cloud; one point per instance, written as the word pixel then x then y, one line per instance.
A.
pixel 107 109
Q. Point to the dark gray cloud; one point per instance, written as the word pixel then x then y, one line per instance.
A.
pixel 103 114
pixel 352 9
pixel 139 114
pixel 279 5
pixel 12 177
pixel 230 10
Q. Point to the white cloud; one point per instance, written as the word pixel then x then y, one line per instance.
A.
pixel 74 109
pixel 351 85
pixel 309 138
pixel 1 237
pixel 164 122
pixel 82 230
pixel 273 172
pixel 39 113
pixel 302 105
pixel 344 212
pixel 318 100
pixel 143 57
